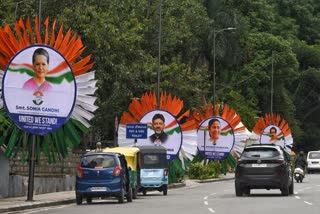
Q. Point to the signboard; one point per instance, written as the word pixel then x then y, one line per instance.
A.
pixel 39 89
pixel 136 130
pixel 215 138
pixel 163 129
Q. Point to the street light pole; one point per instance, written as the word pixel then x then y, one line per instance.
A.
pixel 159 54
pixel 215 32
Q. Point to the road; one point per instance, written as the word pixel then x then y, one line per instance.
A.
pixel 217 197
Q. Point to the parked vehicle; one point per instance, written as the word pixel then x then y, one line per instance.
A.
pixel 313 159
pixel 154 169
pixel 298 174
pixel 103 174
pixel 264 166
pixel 132 155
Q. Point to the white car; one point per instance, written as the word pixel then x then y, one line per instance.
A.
pixel 313 159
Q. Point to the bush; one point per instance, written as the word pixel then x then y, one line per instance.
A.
pixel 199 171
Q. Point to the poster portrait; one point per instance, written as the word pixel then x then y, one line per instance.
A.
pixel 164 130
pixel 39 89
pixel 272 135
pixel 215 138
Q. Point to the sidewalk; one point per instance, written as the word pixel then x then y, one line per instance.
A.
pixel 67 197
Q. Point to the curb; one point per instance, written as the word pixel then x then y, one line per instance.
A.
pixel 36 204
pixel 177 185
pixel 213 180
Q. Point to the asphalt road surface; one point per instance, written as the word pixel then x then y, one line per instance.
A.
pixel 218 197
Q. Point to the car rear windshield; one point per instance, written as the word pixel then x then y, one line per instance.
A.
pixel 97 161
pixel 314 155
pixel 260 153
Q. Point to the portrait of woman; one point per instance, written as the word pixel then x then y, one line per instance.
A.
pixel 215 138
pixel 40 63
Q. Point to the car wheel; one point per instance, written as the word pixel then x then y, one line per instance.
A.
pixel 165 189
pixel 134 193
pixel 246 191
pixel 121 196
pixel 291 188
pixel 144 192
pixel 79 199
pixel 239 191
pixel 89 200
pixel 285 190
pixel 129 195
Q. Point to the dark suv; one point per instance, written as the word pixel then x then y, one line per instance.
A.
pixel 264 166
pixel 103 175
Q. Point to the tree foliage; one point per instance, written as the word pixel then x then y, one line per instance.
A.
pixel 279 37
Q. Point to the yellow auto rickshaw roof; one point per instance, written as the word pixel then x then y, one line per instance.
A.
pixel 129 152
pixel 126 151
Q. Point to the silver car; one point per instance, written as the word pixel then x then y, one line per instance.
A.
pixel 313 159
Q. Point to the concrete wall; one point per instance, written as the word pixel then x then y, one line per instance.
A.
pixel 4 176
pixel 18 185
pixel 54 177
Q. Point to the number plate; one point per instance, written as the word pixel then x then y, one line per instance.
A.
pixel 98 188
pixel 259 165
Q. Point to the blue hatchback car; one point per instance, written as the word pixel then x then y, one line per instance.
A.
pixel 103 175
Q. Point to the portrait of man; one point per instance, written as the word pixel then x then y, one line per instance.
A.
pixel 163 129
pixel 158 124
pixel 273 135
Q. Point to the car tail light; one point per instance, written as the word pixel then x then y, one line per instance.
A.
pixel 280 161
pixel 79 172
pixel 165 172
pixel 116 171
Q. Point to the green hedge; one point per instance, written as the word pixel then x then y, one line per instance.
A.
pixel 200 171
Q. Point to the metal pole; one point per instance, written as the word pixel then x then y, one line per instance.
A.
pixel 40 3
pixel 214 73
pixel 271 102
pixel 215 32
pixel 159 55
pixel 204 146
pixel 31 169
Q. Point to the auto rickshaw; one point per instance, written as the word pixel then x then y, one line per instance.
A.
pixel 154 169
pixel 132 156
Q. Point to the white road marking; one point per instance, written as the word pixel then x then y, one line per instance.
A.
pixel 307 202
pixel 35 211
pixel 297 197
pixel 46 209
pixel 211 210
pixel 205 198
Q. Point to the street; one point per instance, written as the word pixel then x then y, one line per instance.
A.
pixel 217 197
